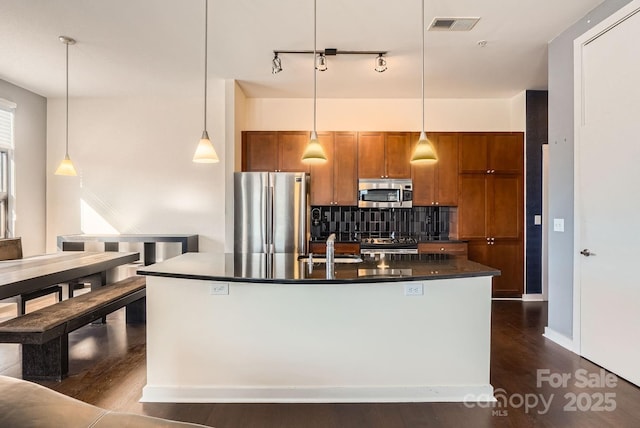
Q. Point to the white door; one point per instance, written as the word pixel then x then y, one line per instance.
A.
pixel 608 196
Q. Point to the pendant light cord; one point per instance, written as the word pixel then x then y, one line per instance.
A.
pixel 423 66
pixel 67 107
pixel 206 25
pixel 315 71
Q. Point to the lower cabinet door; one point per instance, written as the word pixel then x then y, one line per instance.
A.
pixel 505 255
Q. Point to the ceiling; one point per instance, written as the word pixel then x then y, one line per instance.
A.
pixel 156 47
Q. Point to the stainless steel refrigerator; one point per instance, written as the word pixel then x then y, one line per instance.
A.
pixel 271 212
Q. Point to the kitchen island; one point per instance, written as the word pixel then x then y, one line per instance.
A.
pixel 258 328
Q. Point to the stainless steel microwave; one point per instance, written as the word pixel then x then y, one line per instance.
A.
pixel 385 193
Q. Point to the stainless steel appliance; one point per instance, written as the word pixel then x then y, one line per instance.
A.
pixel 392 245
pixel 271 212
pixel 385 193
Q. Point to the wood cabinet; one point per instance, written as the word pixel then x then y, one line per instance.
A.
pixel 384 154
pixel 336 181
pixel 492 152
pixel 506 255
pixel 279 151
pixel 491 205
pixel 339 248
pixel 437 183
pixel 450 248
pixel 259 151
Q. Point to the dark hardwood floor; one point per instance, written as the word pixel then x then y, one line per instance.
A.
pixel 107 368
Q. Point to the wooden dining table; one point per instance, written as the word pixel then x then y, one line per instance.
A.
pixel 29 274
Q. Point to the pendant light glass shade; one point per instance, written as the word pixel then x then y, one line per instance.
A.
pixel 66 166
pixel 424 151
pixel 205 153
pixel 314 153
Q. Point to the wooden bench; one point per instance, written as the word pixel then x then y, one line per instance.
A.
pixel 44 334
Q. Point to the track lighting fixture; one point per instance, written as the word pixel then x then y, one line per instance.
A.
pixel 381 64
pixel 321 58
pixel 276 64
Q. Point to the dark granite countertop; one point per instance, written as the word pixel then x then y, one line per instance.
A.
pixel 286 268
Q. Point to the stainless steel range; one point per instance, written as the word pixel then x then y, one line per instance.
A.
pixel 391 245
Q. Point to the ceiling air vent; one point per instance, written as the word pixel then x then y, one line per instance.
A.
pixel 453 24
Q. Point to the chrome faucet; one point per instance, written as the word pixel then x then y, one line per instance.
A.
pixel 330 256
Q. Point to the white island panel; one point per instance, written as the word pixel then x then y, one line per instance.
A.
pixel 358 342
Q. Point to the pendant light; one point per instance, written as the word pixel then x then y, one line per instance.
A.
pixel 66 166
pixel 423 152
pixel 205 153
pixel 314 153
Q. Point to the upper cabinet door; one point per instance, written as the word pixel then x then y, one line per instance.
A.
pixel 437 183
pixel 291 146
pixel 322 183
pixel 371 155
pixel 472 207
pixel 473 153
pixel 492 152
pixel 446 146
pixel 424 177
pixel 397 154
pixel 505 206
pixel 506 153
pixel 259 151
pixel 345 174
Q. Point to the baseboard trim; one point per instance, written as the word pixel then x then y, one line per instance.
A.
pixel 418 394
pixel 561 340
pixel 533 297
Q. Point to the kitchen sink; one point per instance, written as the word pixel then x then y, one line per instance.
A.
pixel 336 259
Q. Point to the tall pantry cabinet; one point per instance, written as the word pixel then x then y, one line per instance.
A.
pixel 491 203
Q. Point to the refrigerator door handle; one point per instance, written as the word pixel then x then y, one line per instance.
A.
pixel 269 219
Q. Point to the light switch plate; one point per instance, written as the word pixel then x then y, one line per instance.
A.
pixel 558 225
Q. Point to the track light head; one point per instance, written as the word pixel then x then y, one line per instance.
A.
pixel 321 62
pixel 276 64
pixel 381 64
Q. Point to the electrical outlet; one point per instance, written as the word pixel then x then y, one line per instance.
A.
pixel 219 289
pixel 414 289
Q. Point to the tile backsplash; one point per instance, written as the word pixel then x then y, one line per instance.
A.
pixel 354 224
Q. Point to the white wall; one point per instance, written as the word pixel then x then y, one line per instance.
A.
pixel 30 154
pixel 519 112
pixel 235 105
pixel 265 114
pixel 133 157
pixel 561 136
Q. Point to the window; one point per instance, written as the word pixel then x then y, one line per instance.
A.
pixel 7 113
pixel 7 110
